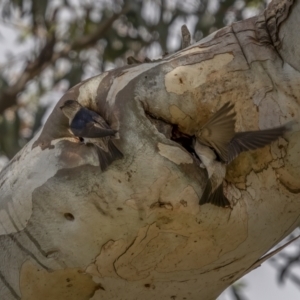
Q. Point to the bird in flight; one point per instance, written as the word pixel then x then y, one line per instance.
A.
pixel 91 128
pixel 217 144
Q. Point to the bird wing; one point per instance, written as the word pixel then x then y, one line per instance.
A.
pixel 107 151
pixel 88 124
pixel 215 197
pixel 99 120
pixel 92 130
pixel 250 140
pixel 218 131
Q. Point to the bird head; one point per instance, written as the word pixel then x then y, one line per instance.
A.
pixel 70 108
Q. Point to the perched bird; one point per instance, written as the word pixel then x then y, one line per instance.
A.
pixel 92 129
pixel 217 144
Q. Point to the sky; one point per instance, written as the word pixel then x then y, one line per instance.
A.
pixel 262 283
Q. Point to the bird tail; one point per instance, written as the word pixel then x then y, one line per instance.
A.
pixel 215 197
pixel 108 157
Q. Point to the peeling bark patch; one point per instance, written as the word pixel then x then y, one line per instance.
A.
pixel 256 160
pixel 161 126
pixel 66 284
pixel 187 78
pixel 276 12
pixel 291 183
pixel 161 190
pixel 56 126
pixel 65 155
pixel 134 266
pixel 164 247
pixel 195 49
pixel 174 154
pixel 121 82
pixel 104 262
pixel 88 91
pixel 71 153
pixel 9 287
pixel 181 118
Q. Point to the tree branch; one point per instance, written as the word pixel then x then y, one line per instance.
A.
pixel 186 37
pixel 47 57
pixel 8 96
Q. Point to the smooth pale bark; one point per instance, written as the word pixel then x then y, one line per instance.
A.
pixel 136 231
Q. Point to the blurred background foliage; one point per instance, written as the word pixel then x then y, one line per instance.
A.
pixel 54 44
pixel 47 46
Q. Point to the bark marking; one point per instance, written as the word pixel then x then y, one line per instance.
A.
pixel 181 118
pixel 66 284
pixel 187 78
pixel 290 182
pixel 88 91
pixel 174 154
pixel 121 82
pixel 104 262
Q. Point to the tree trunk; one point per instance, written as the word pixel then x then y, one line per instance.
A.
pixel 136 231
